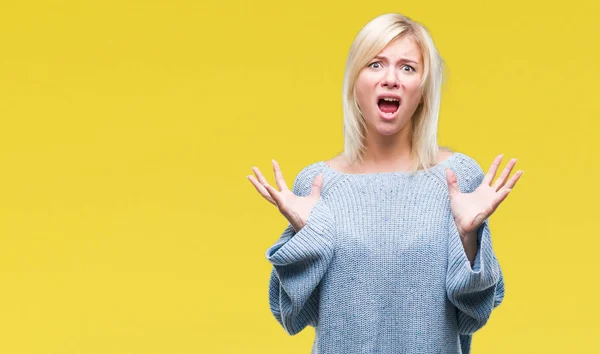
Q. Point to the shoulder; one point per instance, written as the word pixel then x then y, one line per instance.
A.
pixel 468 171
pixel 304 179
pixel 337 162
pixel 444 154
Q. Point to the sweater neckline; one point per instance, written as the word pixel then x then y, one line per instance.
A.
pixel 443 163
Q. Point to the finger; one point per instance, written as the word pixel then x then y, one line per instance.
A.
pixel 499 198
pixel 452 181
pixel 261 189
pixel 505 192
pixel 513 181
pixel 505 173
pixel 266 184
pixel 259 176
pixel 275 195
pixel 489 177
pixel 317 185
pixel 279 177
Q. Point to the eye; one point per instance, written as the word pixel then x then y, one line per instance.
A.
pixel 410 68
pixel 375 62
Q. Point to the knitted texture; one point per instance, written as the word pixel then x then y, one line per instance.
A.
pixel 379 266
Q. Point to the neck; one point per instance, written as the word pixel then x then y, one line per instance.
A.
pixel 388 149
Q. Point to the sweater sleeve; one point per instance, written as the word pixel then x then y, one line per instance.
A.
pixel 474 291
pixel 299 262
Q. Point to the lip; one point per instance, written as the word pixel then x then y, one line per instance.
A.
pixel 388 116
pixel 392 95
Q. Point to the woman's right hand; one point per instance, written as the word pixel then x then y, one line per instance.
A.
pixel 296 209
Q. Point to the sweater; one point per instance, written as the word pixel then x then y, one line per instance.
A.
pixel 379 266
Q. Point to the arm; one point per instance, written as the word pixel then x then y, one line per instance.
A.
pixel 474 283
pixel 299 262
pixel 476 290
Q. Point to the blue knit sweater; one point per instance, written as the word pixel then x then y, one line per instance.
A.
pixel 379 266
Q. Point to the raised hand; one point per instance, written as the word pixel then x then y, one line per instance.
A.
pixel 296 209
pixel 471 209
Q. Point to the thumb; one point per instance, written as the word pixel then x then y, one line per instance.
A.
pixel 452 183
pixel 317 185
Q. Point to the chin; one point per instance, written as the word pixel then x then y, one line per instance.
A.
pixel 389 127
pixel 387 130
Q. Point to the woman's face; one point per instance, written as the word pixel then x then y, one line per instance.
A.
pixel 387 89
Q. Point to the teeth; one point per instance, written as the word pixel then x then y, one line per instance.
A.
pixel 390 99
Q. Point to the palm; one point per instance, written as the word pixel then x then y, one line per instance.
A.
pixel 295 208
pixel 471 209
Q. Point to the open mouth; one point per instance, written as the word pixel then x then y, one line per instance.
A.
pixel 388 105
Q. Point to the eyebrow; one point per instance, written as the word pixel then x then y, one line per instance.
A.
pixel 406 60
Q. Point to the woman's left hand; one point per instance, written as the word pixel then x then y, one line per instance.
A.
pixel 470 210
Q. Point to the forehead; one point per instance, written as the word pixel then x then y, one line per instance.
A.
pixel 402 47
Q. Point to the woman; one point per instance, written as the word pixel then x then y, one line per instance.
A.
pixel 388 248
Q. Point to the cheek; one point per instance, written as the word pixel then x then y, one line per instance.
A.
pixel 363 93
pixel 414 88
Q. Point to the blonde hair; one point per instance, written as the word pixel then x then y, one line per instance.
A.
pixel 371 39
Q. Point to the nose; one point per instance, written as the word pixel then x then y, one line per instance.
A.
pixel 390 80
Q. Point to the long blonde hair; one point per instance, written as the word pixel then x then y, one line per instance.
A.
pixel 371 39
